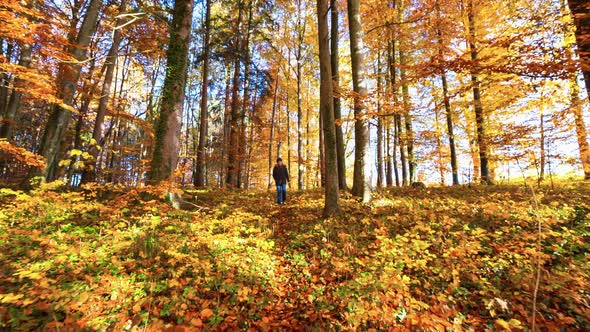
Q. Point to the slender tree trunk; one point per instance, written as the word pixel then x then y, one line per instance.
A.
pixel 301 28
pixel 272 129
pixel 581 13
pixel 234 130
pixel 379 126
pixel 69 75
pixel 226 124
pixel 331 206
pixel 396 142
pixel 242 144
pixel 450 131
pixel 8 121
pixel 5 80
pixel 479 113
pixel 204 116
pixel 361 186
pixel 542 145
pixel 399 140
pixel 168 128
pixel 389 164
pixel 89 175
pixel 581 133
pixel 409 136
pixel 307 136
pixel 400 136
pixel 439 148
pixel 340 150
pixel 447 104
pixel 322 158
pixel 288 119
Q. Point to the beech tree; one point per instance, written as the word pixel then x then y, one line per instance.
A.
pixel 361 186
pixel 331 206
pixel 69 75
pixel 167 145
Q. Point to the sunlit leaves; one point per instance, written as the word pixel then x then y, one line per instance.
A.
pixel 106 257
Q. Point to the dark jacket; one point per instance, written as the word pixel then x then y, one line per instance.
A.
pixel 280 174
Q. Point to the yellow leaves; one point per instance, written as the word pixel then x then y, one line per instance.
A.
pixel 243 294
pixel 509 325
pixel 33 275
pixel 10 298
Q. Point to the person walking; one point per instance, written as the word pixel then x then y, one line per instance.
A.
pixel 281 176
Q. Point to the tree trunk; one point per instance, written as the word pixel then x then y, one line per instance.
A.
pixel 89 174
pixel 331 206
pixel 245 99
pixel 5 79
pixel 379 126
pixel 401 139
pixel 439 148
pixel 232 158
pixel 69 75
pixel 409 136
pixel 479 113
pixel 450 132
pixel 542 145
pixel 581 134
pixel 340 150
pixel 272 129
pixel 581 13
pixel 301 27
pixel 168 128
pixel 204 116
pixel 8 120
pixel 322 158
pixel 226 124
pixel 389 164
pixel 447 104
pixel 361 186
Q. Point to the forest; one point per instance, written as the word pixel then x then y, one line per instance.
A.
pixel 437 153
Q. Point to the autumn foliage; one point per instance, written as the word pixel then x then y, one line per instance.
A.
pixel 430 259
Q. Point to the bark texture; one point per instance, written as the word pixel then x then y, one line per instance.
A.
pixel 168 127
pixel 361 186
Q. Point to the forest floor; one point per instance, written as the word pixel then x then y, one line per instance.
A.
pixel 461 258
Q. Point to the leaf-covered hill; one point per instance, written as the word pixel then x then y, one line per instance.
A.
pixel 464 258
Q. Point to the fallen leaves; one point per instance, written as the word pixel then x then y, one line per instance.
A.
pixel 442 261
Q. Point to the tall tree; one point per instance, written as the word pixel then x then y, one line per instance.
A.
pixel 361 186
pixel 110 63
pixel 331 206
pixel 272 128
pixel 340 150
pixel 582 33
pixel 380 126
pixel 234 130
pixel 580 10
pixel 480 119
pixel 199 180
pixel 168 127
pixel 446 99
pixel 301 27
pixel 69 75
pixel 8 119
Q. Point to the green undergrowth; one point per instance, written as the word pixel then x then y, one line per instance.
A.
pixel 434 259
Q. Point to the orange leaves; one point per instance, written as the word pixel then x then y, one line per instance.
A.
pixel 21 155
pixel 206 314
pixel 438 260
